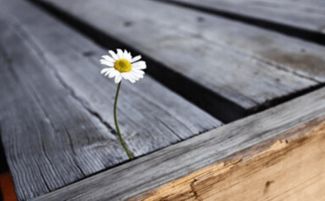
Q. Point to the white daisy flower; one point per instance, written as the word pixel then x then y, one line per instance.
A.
pixel 122 65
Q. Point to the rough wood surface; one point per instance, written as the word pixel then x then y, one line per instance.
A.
pixel 244 64
pixel 48 137
pixel 56 109
pixel 146 174
pixel 308 15
pixel 290 169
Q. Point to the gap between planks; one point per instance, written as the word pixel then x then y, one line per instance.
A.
pixel 55 93
pixel 188 88
pixel 248 99
pixel 161 174
pixel 313 30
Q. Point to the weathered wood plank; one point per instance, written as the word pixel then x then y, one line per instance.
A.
pixel 224 56
pixel 291 169
pixel 296 13
pixel 48 137
pixel 56 110
pixel 212 149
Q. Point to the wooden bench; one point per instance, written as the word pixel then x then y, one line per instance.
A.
pixel 205 72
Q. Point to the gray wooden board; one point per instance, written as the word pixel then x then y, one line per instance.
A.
pixel 242 63
pixel 56 108
pixel 181 159
pixel 309 15
pixel 49 138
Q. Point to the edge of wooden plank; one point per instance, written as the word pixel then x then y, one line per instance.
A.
pixel 173 80
pixel 246 98
pixel 89 149
pixel 312 31
pixel 286 168
pixel 216 146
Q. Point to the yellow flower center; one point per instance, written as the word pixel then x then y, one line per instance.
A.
pixel 123 65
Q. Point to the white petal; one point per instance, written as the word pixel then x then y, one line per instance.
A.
pixel 120 53
pixel 125 75
pixel 135 76
pixel 128 76
pixel 128 56
pixel 138 77
pixel 113 54
pixel 138 72
pixel 107 71
pixel 137 58
pixel 104 70
pixel 139 65
pixel 118 78
pixel 107 63
pixel 113 73
pixel 108 58
pixel 132 81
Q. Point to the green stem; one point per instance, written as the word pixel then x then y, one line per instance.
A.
pixel 123 143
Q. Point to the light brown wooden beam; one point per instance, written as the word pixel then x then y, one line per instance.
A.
pixel 241 152
pixel 290 168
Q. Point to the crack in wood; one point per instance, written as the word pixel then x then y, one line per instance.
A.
pixel 169 128
pixel 226 110
pixel 213 103
pixel 71 91
pixel 74 152
pixel 82 102
pixel 195 193
pixel 267 186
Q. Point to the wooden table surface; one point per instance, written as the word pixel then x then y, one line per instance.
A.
pixel 221 94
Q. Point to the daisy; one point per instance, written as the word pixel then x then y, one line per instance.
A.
pixel 122 65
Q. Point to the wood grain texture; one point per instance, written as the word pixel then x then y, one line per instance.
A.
pixel 296 13
pixel 290 168
pixel 48 137
pixel 214 147
pixel 56 108
pixel 204 48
